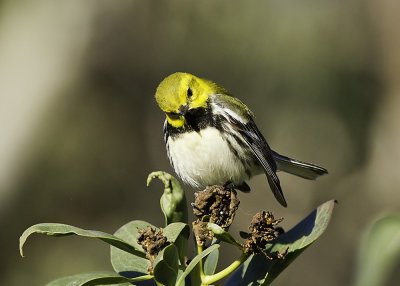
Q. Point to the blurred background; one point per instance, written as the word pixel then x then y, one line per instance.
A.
pixel 80 129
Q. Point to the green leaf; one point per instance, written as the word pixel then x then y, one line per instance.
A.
pixel 379 251
pixel 194 262
pixel 258 270
pixel 173 201
pixel 210 263
pixel 174 230
pixel 91 279
pixel 222 235
pixel 125 263
pixel 57 229
pixel 130 265
pixel 166 264
pixel 178 234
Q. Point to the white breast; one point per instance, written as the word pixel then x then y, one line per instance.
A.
pixel 205 158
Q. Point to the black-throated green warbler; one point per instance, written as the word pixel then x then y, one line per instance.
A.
pixel 211 138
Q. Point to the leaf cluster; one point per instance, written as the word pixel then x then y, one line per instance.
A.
pixel 143 253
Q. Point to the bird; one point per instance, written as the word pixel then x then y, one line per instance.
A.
pixel 211 138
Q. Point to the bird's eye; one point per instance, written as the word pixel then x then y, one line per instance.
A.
pixel 189 92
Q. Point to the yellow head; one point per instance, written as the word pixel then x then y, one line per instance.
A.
pixel 180 92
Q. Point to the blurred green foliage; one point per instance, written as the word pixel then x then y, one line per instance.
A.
pixel 379 252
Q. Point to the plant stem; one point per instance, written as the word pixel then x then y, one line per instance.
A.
pixel 210 279
pixel 142 278
pixel 201 270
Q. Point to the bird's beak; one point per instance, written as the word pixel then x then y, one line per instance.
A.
pixel 183 109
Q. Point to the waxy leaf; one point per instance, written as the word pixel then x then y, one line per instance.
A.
pixel 92 279
pixel 58 229
pixel 123 262
pixel 166 266
pixel 194 262
pixel 129 265
pixel 259 270
pixel 173 200
pixel 210 262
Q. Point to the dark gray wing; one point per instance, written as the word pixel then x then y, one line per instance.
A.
pixel 241 120
pixel 259 146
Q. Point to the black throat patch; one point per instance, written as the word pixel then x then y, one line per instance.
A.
pixel 196 120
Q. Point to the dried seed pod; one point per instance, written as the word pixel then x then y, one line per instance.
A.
pixel 216 204
pixel 152 242
pixel 263 229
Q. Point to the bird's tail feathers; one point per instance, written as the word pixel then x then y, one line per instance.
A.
pixel 298 168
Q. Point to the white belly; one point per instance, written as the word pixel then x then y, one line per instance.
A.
pixel 205 158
